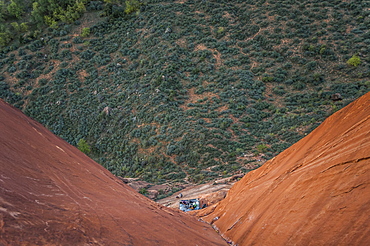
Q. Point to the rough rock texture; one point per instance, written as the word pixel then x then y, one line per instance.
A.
pixel 51 193
pixel 317 192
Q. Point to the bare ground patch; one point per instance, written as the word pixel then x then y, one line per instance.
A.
pixel 193 97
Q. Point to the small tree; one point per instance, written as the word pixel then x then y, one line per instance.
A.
pixel 83 146
pixel 143 191
pixel 354 61
pixel 24 27
pixel 262 148
pixel 15 26
pixel 15 9
pixel 132 6
pixel 85 32
pixel 5 38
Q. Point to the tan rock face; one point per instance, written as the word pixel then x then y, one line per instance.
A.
pixel 317 192
pixel 51 193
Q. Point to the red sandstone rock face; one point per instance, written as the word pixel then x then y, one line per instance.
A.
pixel 51 193
pixel 317 192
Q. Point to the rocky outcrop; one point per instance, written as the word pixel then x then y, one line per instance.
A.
pixel 317 192
pixel 53 194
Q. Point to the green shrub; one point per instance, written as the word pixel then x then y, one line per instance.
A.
pixel 143 191
pixel 15 9
pixel 354 61
pixel 132 6
pixel 262 148
pixel 83 146
pixel 85 32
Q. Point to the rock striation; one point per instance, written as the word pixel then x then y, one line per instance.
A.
pixel 317 192
pixel 53 194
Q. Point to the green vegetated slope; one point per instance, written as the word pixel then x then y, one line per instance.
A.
pixel 192 90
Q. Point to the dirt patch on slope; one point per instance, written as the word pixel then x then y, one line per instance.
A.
pixel 211 193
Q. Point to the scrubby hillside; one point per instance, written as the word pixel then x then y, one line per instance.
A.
pixel 52 194
pixel 191 90
pixel 314 193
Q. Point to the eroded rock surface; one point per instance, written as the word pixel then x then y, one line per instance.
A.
pixel 317 192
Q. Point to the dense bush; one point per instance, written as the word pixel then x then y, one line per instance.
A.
pixel 354 61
